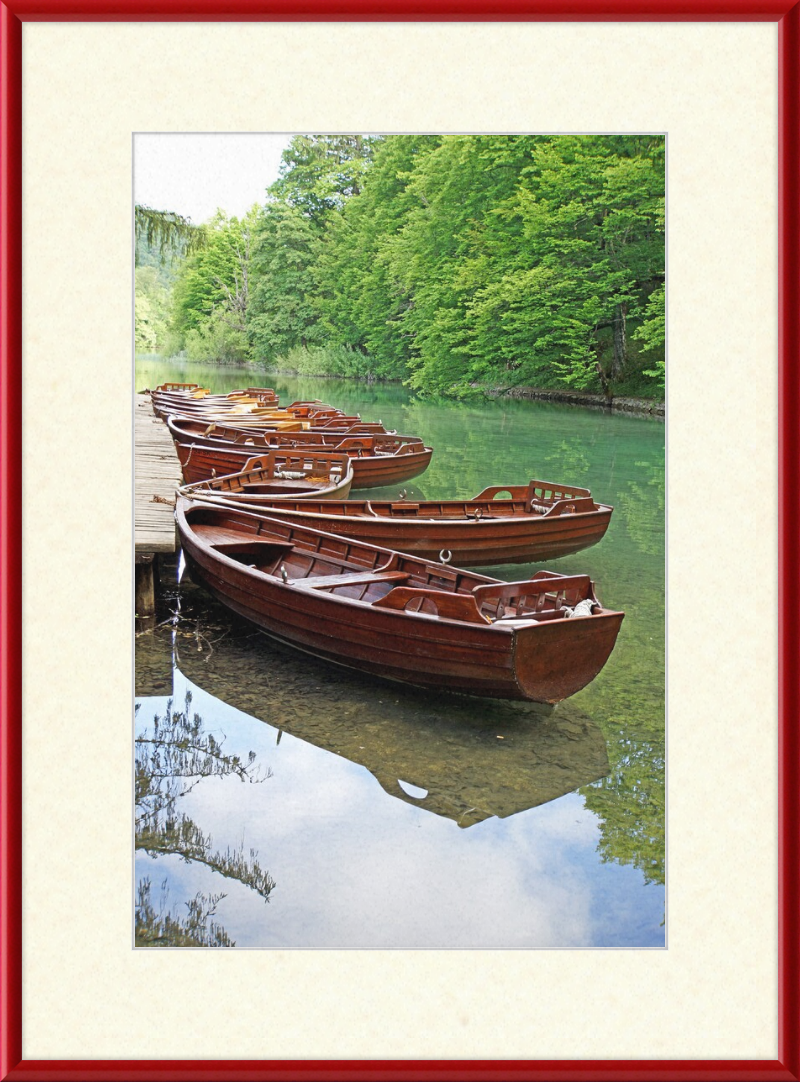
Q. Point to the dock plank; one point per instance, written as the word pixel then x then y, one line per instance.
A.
pixel 157 474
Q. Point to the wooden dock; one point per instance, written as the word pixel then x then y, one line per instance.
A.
pixel 157 475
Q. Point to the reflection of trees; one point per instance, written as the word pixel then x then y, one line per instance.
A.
pixel 629 709
pixel 161 928
pixel 171 759
pixel 630 805
pixel 568 459
pixel 641 503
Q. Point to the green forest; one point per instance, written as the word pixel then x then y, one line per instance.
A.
pixel 457 264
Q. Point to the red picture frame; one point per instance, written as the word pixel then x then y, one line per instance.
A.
pixel 12 14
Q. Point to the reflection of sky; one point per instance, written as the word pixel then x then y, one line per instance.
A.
pixel 358 868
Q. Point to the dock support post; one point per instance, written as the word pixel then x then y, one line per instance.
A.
pixel 145 596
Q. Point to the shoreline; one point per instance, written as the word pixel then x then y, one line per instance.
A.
pixel 643 407
pixel 623 403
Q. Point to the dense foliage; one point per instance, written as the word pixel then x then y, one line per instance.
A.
pixel 451 262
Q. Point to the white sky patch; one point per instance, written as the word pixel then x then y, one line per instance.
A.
pixel 194 174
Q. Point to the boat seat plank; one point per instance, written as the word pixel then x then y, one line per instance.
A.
pixel 254 546
pixel 317 582
pixel 216 535
pixel 530 587
pixel 450 606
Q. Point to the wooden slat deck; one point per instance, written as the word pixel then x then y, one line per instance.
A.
pixel 157 473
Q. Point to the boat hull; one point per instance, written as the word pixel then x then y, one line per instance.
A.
pixel 199 462
pixel 489 541
pixel 537 662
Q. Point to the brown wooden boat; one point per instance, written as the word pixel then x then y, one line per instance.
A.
pixel 277 474
pixel 237 408
pixel 316 420
pixel 397 616
pixel 294 419
pixel 193 392
pixel 288 421
pixel 211 450
pixel 501 525
pixel 247 411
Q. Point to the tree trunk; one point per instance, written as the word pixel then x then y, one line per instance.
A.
pixel 604 381
pixel 620 341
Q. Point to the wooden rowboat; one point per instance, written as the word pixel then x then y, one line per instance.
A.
pixel 244 411
pixel 501 525
pixel 194 392
pixel 237 408
pixel 378 459
pixel 278 474
pixel 258 419
pixel 397 616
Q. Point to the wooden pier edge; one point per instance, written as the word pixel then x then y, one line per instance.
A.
pixel 157 475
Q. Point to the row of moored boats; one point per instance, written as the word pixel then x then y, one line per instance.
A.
pixel 267 525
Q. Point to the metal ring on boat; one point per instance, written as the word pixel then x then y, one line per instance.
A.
pixel 445 556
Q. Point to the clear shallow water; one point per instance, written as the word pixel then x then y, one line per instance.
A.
pixel 394 818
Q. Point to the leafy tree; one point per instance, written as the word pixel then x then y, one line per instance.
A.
pixel 630 805
pixel 360 298
pixel 212 292
pixel 151 304
pixel 214 340
pixel 437 254
pixel 319 173
pixel 497 259
pixel 588 221
pixel 166 232
pixel 652 332
pixel 455 261
pixel 282 313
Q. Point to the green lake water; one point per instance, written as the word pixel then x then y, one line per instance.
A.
pixel 379 816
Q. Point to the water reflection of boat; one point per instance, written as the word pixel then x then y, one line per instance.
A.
pixel 452 757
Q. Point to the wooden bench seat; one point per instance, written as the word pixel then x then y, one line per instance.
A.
pixel 358 578
pixel 219 535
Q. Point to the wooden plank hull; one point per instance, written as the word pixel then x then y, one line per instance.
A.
pixel 199 462
pixel 378 459
pixel 542 662
pixel 519 539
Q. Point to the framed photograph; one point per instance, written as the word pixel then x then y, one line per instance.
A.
pixel 719 998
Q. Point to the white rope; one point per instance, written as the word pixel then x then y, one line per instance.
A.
pixel 583 608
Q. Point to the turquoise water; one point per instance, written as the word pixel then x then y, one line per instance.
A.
pixel 390 818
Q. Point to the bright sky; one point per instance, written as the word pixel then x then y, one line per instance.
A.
pixel 194 174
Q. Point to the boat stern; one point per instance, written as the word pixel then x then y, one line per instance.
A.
pixel 555 659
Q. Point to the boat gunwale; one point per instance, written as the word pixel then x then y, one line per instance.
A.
pixel 409 444
pixel 471 523
pixel 513 628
